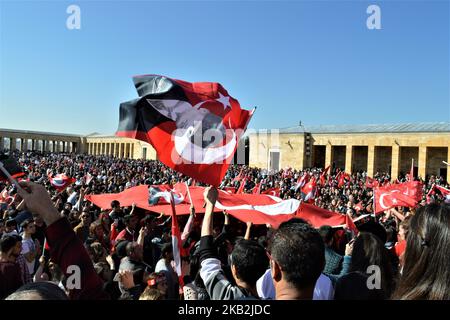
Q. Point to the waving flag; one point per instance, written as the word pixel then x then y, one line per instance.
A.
pixel 257 188
pixel 239 176
pixel 323 175
pixel 350 225
pixel 359 206
pixel 309 190
pixel 301 181
pixel 445 193
pixel 161 194
pixel 61 181
pixel 406 194
pixel 177 244
pixel 194 127
pixel 12 167
pixel 371 183
pixel 241 186
pixel 272 191
pixel 88 178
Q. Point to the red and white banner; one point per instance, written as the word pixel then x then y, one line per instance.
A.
pixel 258 208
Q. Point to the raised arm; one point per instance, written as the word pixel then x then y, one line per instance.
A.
pixel 188 227
pixel 66 249
pixel 210 196
pixel 247 231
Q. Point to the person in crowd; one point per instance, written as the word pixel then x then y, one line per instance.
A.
pixel 82 229
pixel 371 276
pixel 129 233
pixel 333 260
pixel 113 175
pixel 297 258
pixel 426 271
pixel 10 272
pixel 248 261
pixel 30 247
pixel 165 265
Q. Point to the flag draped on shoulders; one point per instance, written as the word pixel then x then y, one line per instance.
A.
pixel 194 127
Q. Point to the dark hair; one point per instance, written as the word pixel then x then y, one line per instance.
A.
pixel 115 204
pixel 10 223
pixel 166 248
pixel 391 234
pixel 43 290
pixel 25 224
pixel 300 252
pixel 405 224
pixel 368 250
pixel 374 228
pixel 326 232
pixel 127 218
pixel 426 271
pixel 7 242
pixel 250 260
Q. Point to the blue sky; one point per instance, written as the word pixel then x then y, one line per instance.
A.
pixel 313 61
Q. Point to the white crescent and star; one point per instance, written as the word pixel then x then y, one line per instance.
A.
pixel 225 100
pixel 188 151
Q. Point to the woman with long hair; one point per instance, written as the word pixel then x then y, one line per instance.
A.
pixel 426 270
pixel 371 271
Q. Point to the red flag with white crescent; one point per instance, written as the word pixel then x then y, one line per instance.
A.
pixel 406 194
pixel 194 127
pixel 272 191
pixel 61 181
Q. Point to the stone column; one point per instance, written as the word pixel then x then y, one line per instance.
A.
pixel 132 151
pixel 395 161
pixel 422 161
pixel 328 158
pixel 370 160
pixel 33 144
pixel 1 143
pixel 348 158
pixel 22 147
pixel 12 144
pixel 63 146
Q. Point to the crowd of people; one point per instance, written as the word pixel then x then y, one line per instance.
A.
pixel 127 253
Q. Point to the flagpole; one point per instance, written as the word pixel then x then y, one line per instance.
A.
pixel 189 193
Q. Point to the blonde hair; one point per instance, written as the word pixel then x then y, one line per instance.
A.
pixel 151 294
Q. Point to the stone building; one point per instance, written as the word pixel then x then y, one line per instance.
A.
pixel 371 148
